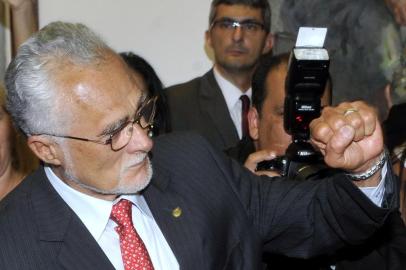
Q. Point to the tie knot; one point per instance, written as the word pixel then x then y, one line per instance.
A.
pixel 121 213
pixel 245 101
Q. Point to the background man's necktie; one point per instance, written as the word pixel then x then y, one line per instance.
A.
pixel 133 251
pixel 245 101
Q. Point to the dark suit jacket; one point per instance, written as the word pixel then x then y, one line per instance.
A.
pixel 199 105
pixel 241 150
pixel 228 215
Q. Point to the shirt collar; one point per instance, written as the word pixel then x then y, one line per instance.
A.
pixel 93 212
pixel 230 92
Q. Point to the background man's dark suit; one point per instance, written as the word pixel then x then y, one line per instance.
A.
pixel 227 215
pixel 200 105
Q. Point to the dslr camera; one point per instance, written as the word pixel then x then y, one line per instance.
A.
pixel 308 73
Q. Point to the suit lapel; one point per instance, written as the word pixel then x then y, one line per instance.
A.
pixel 175 219
pixel 213 103
pixel 59 227
pixel 81 251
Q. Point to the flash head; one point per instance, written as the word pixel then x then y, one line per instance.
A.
pixel 308 72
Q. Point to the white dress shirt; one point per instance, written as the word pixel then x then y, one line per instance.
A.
pixel 95 215
pixel 232 96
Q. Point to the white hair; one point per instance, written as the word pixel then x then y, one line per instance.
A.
pixel 30 78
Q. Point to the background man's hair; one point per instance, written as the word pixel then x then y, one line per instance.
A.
pixel 154 88
pixel 267 63
pixel 31 89
pixel 261 4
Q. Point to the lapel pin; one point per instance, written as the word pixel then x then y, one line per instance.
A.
pixel 177 212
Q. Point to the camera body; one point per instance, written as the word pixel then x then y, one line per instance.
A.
pixel 308 73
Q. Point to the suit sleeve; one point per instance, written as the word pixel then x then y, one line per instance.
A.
pixel 307 218
pixel 294 218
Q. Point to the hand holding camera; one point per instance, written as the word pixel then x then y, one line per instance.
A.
pixel 254 161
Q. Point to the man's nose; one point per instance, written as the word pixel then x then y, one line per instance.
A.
pixel 238 33
pixel 140 141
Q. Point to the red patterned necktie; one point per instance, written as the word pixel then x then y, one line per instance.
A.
pixel 133 251
pixel 245 101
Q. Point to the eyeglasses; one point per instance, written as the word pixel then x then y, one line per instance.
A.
pixel 144 117
pixel 247 26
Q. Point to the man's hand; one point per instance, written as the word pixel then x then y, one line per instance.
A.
pixel 398 8
pixel 349 136
pixel 256 157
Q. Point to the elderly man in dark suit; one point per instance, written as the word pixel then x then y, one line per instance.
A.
pixel 95 203
pixel 215 105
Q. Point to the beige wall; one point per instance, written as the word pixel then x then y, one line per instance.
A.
pixel 168 33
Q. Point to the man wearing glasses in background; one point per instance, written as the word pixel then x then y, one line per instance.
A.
pixel 215 105
pixel 95 203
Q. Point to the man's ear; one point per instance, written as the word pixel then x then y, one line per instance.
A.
pixel 388 95
pixel 207 37
pixel 253 123
pixel 44 149
pixel 268 43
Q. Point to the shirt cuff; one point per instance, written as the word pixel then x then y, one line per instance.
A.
pixel 375 194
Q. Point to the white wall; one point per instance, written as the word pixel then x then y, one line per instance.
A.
pixel 167 33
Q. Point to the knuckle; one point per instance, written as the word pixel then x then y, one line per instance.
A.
pixel 338 123
pixel 356 122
